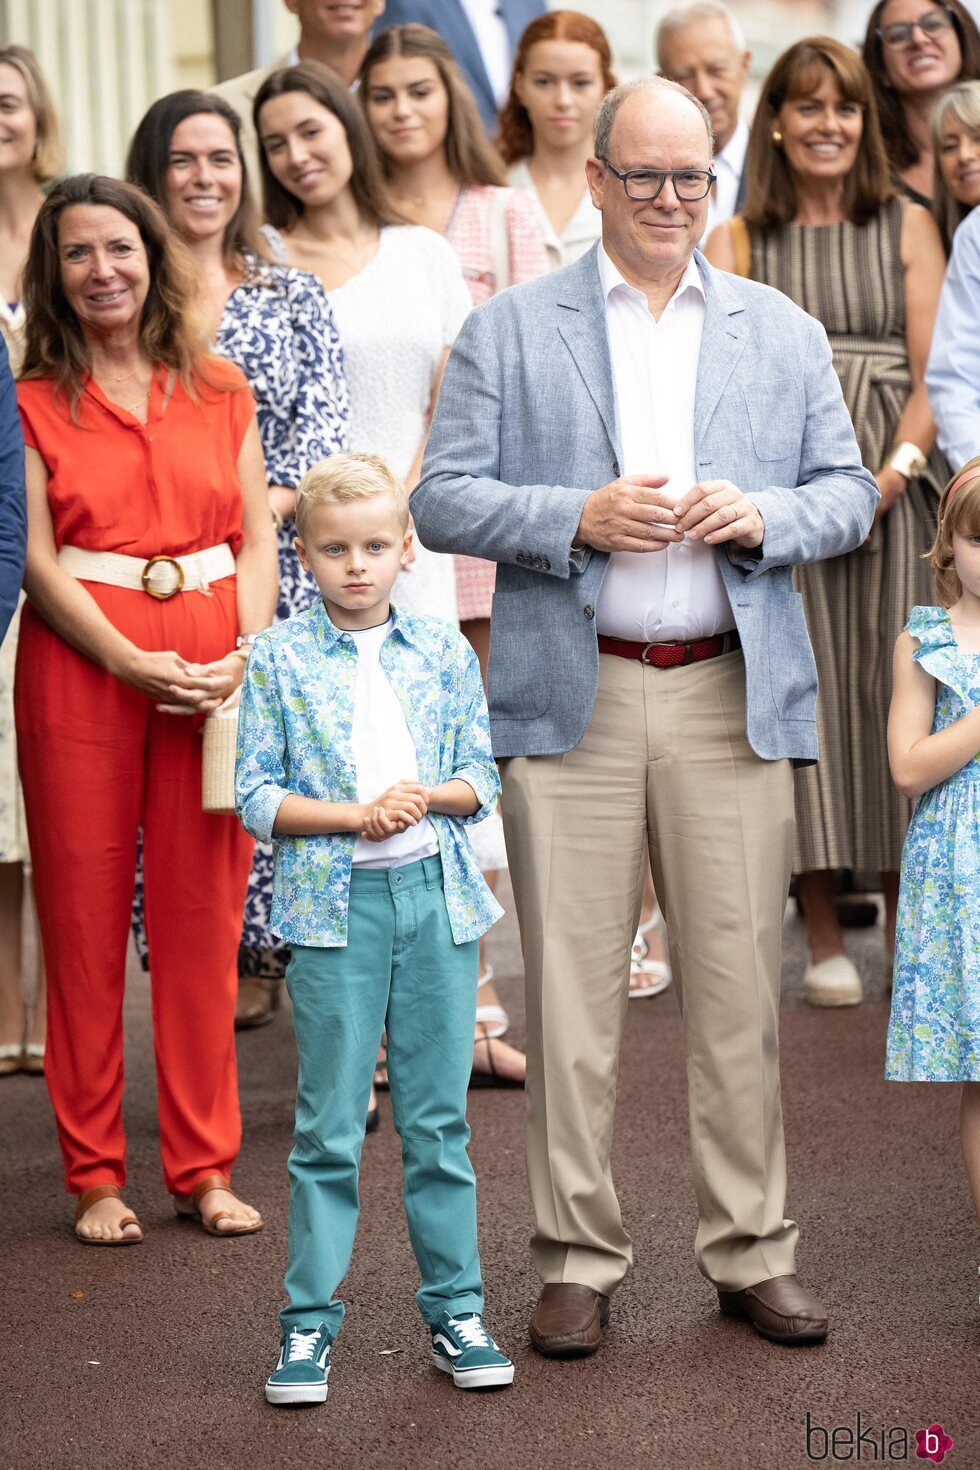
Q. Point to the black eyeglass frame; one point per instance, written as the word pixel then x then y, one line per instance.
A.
pixel 949 23
pixel 665 174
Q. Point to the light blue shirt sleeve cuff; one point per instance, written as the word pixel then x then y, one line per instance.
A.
pixel 486 786
pixel 258 814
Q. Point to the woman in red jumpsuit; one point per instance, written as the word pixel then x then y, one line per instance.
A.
pixel 140 445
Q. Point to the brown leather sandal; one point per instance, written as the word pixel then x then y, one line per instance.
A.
pixel 188 1207
pixel 91 1197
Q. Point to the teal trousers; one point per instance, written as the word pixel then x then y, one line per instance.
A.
pixel 399 971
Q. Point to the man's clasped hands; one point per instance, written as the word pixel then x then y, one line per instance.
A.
pixel 635 513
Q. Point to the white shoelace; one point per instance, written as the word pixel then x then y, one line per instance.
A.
pixel 472 1331
pixel 302 1341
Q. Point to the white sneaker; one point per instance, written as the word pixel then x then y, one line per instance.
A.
pixel 834 982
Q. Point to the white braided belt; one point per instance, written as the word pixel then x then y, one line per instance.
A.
pixel 161 576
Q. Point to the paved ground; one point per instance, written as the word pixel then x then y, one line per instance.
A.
pixel 155 1356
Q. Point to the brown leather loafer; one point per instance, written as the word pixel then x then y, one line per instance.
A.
pixel 568 1320
pixel 780 1309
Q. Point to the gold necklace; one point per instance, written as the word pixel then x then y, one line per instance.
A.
pixel 126 376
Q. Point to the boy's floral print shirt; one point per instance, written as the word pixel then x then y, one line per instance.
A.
pixel 294 738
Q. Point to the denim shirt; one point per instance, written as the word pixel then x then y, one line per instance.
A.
pixel 295 738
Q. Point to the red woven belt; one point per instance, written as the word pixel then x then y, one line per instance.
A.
pixel 671 655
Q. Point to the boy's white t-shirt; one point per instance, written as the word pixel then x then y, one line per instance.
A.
pixel 384 752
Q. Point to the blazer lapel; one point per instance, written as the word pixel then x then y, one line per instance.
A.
pixel 582 327
pixel 722 344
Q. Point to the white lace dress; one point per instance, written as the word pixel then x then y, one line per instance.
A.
pixel 396 318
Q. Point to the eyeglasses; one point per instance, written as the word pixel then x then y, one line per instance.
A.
pixel 647 183
pixel 933 23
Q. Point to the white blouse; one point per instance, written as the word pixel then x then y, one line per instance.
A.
pixel 582 231
pixel 396 318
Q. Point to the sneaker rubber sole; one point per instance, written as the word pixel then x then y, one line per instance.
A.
pixel 296 1393
pixel 498 1377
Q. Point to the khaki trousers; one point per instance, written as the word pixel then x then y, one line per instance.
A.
pixel 664 763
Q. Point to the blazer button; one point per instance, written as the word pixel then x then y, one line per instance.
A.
pixel 589 611
pixel 520 558
pixel 545 564
pixel 538 564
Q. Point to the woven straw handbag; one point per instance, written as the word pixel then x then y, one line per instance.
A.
pixel 218 766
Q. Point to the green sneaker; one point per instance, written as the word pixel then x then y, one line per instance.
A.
pixel 463 1347
pixel 300 1376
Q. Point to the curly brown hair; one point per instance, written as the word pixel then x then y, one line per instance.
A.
pixel 902 152
pixel 771 195
pixel 170 332
pixel 471 159
pixel 516 138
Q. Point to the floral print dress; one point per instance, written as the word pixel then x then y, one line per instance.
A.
pixel 934 1033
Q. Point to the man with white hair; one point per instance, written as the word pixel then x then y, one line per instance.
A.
pixel 647 447
pixel 702 46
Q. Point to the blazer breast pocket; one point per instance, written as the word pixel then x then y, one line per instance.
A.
pixel 777 417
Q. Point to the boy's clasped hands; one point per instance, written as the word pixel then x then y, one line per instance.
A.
pixel 403 805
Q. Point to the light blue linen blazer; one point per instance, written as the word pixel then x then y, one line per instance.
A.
pixel 526 428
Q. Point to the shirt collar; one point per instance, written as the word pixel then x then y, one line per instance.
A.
pixel 329 634
pixel 732 156
pixel 610 277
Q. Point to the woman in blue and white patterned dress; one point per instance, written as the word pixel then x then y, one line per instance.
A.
pixel 933 745
pixel 275 323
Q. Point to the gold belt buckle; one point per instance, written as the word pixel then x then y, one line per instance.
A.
pixel 174 579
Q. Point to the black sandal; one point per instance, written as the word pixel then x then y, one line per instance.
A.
pixel 492 1078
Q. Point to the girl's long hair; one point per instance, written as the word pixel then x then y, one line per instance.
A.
pixel 367 185
pixel 170 332
pixel 516 139
pixel 49 150
pixel 961 513
pixel 471 159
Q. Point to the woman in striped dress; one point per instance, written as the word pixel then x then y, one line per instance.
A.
pixel 824 225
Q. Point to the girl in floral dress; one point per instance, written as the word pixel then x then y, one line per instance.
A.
pixel 933 745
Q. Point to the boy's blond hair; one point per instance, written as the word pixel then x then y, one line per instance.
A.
pixel 346 477
pixel 960 512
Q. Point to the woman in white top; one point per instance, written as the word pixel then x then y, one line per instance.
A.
pixel 562 71
pixel 396 291
pixel 31 156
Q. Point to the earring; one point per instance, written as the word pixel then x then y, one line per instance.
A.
pixel 777 137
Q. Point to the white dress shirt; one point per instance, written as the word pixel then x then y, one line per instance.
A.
pixel 676 595
pixel 728 166
pixel 488 26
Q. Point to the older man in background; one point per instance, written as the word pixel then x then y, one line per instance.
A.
pixel 334 32
pixel 702 47
pixel 647 447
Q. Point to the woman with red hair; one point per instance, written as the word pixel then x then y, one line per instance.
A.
pixel 562 71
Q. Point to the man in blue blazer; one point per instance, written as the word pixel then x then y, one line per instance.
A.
pixel 13 517
pixel 647 447
pixel 482 35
